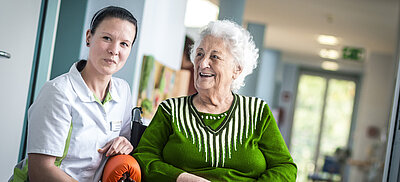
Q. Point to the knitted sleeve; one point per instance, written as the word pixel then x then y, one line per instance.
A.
pixel 150 148
pixel 280 165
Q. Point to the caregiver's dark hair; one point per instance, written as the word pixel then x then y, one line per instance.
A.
pixel 112 12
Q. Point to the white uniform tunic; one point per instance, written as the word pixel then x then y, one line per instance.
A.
pixel 68 122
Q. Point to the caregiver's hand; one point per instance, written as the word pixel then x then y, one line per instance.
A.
pixel 118 145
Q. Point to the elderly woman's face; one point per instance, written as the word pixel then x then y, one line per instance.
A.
pixel 214 65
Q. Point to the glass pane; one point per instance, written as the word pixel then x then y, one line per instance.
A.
pixel 337 117
pixel 306 123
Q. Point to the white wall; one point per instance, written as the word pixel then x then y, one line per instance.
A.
pixel 163 31
pixel 374 109
pixel 162 35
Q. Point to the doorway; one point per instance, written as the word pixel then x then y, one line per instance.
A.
pixel 19 22
pixel 322 119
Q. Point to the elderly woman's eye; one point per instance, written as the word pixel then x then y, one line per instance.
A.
pixel 214 57
pixel 199 54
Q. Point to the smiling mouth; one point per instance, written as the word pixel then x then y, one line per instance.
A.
pixel 206 74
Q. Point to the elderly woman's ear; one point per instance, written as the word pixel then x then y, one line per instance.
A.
pixel 237 71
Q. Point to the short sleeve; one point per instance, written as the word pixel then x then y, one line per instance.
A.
pixel 49 121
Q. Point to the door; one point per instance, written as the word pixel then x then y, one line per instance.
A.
pixel 322 120
pixel 19 21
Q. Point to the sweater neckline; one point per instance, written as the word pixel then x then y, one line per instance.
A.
pixel 229 113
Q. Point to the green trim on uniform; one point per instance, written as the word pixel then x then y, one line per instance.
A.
pixel 106 99
pixel 59 159
pixel 20 174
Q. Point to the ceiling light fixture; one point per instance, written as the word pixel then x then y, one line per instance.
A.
pixel 327 40
pixel 330 65
pixel 329 53
pixel 200 12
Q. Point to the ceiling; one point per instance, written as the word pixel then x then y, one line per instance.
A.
pixel 292 26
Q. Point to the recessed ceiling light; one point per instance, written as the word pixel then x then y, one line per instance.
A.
pixel 327 40
pixel 330 65
pixel 200 12
pixel 329 53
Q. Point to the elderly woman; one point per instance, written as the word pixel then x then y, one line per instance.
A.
pixel 215 134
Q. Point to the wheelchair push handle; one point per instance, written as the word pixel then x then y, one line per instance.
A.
pixel 137 115
pixel 138 128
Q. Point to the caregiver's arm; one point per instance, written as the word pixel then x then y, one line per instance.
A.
pixel 42 168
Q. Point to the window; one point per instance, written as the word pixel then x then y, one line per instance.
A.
pixel 322 120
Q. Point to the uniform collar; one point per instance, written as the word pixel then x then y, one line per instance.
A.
pixel 113 91
pixel 83 91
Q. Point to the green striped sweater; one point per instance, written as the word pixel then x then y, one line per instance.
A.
pixel 245 146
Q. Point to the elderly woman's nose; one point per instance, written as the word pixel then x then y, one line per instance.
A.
pixel 204 63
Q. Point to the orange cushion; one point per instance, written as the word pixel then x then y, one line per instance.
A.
pixel 117 165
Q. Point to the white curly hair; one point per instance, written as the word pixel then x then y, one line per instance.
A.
pixel 239 42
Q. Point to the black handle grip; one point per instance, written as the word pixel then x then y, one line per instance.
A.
pixel 136 115
pixel 137 126
pixel 137 132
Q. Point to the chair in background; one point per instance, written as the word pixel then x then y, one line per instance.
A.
pixel 330 171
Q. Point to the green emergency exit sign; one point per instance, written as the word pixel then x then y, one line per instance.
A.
pixel 352 53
